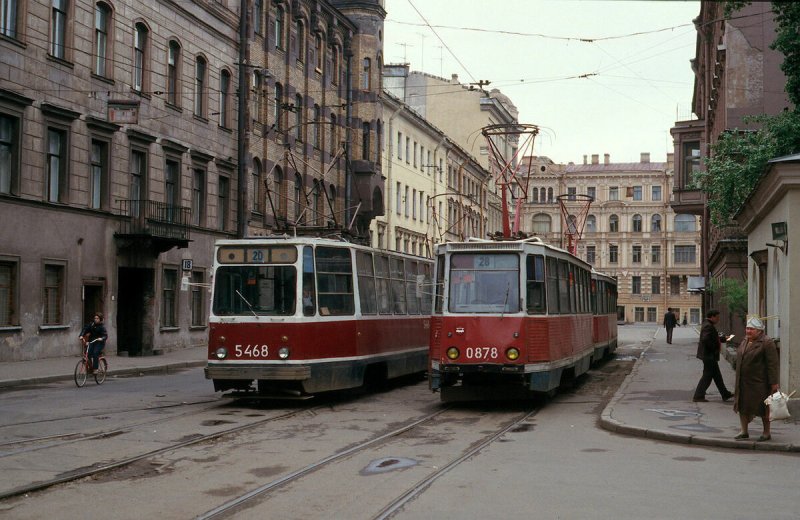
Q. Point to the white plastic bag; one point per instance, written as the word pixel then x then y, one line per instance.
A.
pixel 778 404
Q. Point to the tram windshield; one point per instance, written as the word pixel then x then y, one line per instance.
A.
pixel 481 282
pixel 255 290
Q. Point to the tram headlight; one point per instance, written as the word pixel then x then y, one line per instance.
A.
pixel 452 353
pixel 283 352
pixel 512 354
pixel 221 353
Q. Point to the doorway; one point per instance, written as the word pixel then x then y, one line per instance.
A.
pixel 135 311
pixel 93 301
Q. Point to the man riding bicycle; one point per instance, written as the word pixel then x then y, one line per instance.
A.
pixel 97 337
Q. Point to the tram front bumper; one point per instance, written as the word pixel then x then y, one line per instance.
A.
pixel 278 373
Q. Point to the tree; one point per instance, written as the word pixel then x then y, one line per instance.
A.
pixel 732 293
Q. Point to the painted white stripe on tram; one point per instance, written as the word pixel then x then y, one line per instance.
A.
pixel 313 361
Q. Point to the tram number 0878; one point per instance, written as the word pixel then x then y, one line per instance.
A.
pixel 482 353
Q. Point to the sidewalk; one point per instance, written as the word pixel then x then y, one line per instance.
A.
pixel 655 401
pixel 61 369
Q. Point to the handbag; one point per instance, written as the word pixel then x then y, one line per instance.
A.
pixel 778 404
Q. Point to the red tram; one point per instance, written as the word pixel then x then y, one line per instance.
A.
pixel 514 318
pixel 292 317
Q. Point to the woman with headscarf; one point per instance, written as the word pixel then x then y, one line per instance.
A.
pixel 756 377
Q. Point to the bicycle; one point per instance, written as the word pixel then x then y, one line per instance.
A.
pixel 82 368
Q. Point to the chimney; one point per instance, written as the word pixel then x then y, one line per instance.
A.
pixel 584 158
pixel 645 157
pixel 595 158
pixel 606 158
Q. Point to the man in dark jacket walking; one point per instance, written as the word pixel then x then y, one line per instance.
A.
pixel 669 323
pixel 708 349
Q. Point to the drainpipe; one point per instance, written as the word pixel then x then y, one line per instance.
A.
pixel 242 143
pixel 348 172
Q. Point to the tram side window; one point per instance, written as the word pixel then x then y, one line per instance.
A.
pixel 552 286
pixel 594 284
pixel 563 287
pixel 398 290
pixel 383 285
pixel 426 288
pixel 309 287
pixel 366 283
pixel 572 278
pixel 335 281
pixel 439 284
pixel 255 290
pixel 535 288
pixel 412 298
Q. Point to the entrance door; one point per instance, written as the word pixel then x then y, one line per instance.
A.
pixel 620 313
pixel 92 301
pixel 134 311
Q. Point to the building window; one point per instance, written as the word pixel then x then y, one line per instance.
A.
pixel 541 223
pixel 9 154
pixel 414 204
pixel 613 193
pixel 685 223
pixel 58 29
pixel 334 145
pixel 414 160
pixel 56 165
pixel 298 197
pixel 99 174
pixel 591 254
pixel 655 255
pixel 365 141
pixel 53 295
pixel 655 285
pixel 138 172
pixel 172 194
pixel 320 52
pixel 407 201
pixel 173 73
pixel 258 15
pixel 638 314
pixel 398 199
pixel 637 223
pixel 684 254
pixel 200 93
pixel 408 150
pixel 8 293
pixel 298 117
pixel 102 19
pixel 656 193
pixel 333 201
pixel 399 146
pixel 694 316
pixel 256 200
pixel 655 223
pixel 691 163
pixel 591 224
pixel 613 254
pixel 169 283
pixel 258 97
pixel 366 74
pixel 591 191
pixel 198 196
pixel 277 110
pixel 636 285
pixel 140 56
pixel 224 99
pixel 613 224
pixel 636 256
pixel 198 305
pixel 674 285
pixel 223 202
pixel 8 19
pixel 280 23
pixel 301 41
pixel 316 131
pixel 637 193
pixel 571 192
pixel 651 314
pixel 277 188
pixel 318 191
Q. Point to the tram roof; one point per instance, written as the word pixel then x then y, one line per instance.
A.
pixel 310 240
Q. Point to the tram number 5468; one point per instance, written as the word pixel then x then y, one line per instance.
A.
pixel 482 353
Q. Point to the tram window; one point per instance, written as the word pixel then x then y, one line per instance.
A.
pixel 255 290
pixel 572 278
pixel 335 281
pixel 397 272
pixel 481 282
pixel 535 286
pixel 426 300
pixel 593 296
pixel 309 290
pixel 366 283
pixel 552 286
pixel 382 284
pixel 563 287
pixel 439 284
pixel 412 300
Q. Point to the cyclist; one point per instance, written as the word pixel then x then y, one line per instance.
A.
pixel 96 331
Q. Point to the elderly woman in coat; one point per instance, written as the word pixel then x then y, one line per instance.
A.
pixel 756 377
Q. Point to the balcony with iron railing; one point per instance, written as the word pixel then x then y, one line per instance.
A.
pixel 153 224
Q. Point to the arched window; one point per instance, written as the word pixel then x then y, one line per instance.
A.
pixel 550 195
pixel 102 39
pixel 200 71
pixel 591 224
pixel 334 145
pixel 319 51
pixel 298 117
pixel 258 15
pixel 224 99
pixel 257 186
pixel 298 196
pixel 258 97
pixel 637 223
pixel 301 40
pixel 173 73
pixel 365 131
pixel 317 200
pixel 277 192
pixel 140 58
pixel 535 197
pixel 335 67
pixel 541 223
pixel 613 224
pixel 366 73
pixel 277 110
pixel 333 201
pixel 655 223
pixel 316 139
pixel 280 23
pixel 685 223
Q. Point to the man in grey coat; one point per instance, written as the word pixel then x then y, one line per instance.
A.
pixel 708 349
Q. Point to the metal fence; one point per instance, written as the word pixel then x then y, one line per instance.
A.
pixel 158 219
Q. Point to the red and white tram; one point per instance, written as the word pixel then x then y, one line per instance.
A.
pixel 514 318
pixel 291 317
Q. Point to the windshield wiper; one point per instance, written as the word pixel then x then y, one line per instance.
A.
pixel 247 302
pixel 505 302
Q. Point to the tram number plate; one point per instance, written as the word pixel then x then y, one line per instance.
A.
pixel 482 353
pixel 252 351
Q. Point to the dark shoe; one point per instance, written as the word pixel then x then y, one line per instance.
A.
pixel 699 400
pixel 727 397
pixel 742 436
pixel 764 438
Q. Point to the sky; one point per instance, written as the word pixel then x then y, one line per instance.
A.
pixel 634 86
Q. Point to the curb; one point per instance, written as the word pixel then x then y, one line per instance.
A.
pixel 166 368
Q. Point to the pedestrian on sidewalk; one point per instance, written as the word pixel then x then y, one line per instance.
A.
pixel 756 377
pixel 685 321
pixel 708 349
pixel 669 323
